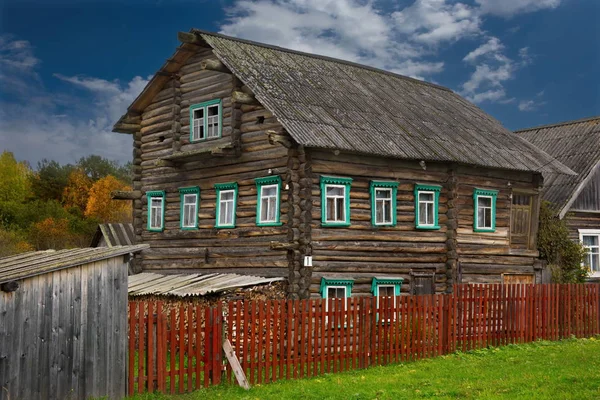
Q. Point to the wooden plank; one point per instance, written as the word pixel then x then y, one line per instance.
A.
pixel 207 345
pixel 235 365
pixel 217 337
pixel 172 354
pixel 190 348
pixel 151 347
pixel 260 338
pixel 253 339
pixel 160 342
pixel 141 351
pixel 181 349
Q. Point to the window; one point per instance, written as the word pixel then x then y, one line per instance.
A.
pixel 156 210
pixel 386 287
pixel 188 213
pixel 226 204
pixel 590 239
pixel 335 201
pixel 268 198
pixel 205 120
pixel 336 289
pixel 484 210
pixel 422 283
pixel 427 199
pixel 383 203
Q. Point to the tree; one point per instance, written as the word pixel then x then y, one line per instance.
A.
pixel 50 233
pixel 12 242
pixel 96 168
pixel 564 256
pixel 50 180
pixel 14 179
pixel 76 192
pixel 102 207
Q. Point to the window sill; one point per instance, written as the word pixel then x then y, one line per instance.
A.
pixel 205 140
pixel 391 224
pixel 269 224
pixel 488 230
pixel 427 228
pixel 224 226
pixel 334 224
pixel 155 229
pixel 189 228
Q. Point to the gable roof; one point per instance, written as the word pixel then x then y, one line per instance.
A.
pixel 576 144
pixel 35 263
pixel 114 235
pixel 333 104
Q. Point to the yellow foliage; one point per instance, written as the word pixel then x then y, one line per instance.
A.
pixel 12 243
pixel 101 206
pixel 76 192
pixel 51 233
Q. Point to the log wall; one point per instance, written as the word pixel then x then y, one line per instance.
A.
pixel 581 220
pixel 164 132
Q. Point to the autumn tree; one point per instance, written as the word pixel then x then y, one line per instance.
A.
pixel 14 179
pixel 76 193
pixel 51 233
pixel 101 206
pixel 50 180
pixel 96 168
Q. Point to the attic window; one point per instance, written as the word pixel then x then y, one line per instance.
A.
pixel 206 120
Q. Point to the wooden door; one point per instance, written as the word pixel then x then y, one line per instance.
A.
pixel 422 283
pixel 517 278
pixel 520 220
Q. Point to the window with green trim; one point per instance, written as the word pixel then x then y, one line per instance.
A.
pixel 206 120
pixel 484 210
pixel 332 288
pixel 386 287
pixel 156 210
pixel 226 204
pixel 188 213
pixel 268 200
pixel 383 203
pixel 335 201
pixel 427 198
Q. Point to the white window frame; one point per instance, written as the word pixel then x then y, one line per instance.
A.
pixel 383 202
pixel 197 123
pixel 491 208
pixel 344 205
pixel 432 202
pixel 232 208
pixel 591 232
pixel 186 205
pixel 212 119
pixel 152 212
pixel 275 205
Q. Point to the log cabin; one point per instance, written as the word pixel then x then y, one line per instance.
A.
pixel 575 144
pixel 342 178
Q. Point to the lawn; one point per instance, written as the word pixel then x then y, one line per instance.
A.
pixel 569 369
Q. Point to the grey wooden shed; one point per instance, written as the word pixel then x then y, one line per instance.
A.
pixel 63 323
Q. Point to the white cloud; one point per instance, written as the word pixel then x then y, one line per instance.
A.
pixel 17 54
pixel 493 45
pixel 64 127
pixel 509 8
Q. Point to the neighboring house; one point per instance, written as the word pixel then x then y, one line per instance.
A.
pixel 118 234
pixel 343 178
pixel 576 144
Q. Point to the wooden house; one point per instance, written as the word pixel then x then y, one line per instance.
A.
pixel 576 144
pixel 343 178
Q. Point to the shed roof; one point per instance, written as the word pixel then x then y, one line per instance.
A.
pixel 576 144
pixel 333 104
pixel 35 263
pixel 182 285
pixel 114 235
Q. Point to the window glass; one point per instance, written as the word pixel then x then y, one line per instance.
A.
pixel 426 208
pixel 592 258
pixel 156 212
pixel 268 206
pixel 198 121
pixel 383 206
pixel 335 204
pixel 336 292
pixel 213 121
pixel 189 210
pixel 226 207
pixel 484 212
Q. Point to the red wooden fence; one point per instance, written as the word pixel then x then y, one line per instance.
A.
pixel 179 350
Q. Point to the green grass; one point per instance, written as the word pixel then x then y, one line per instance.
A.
pixel 569 369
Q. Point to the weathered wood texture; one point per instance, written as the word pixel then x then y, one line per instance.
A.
pixel 589 198
pixel 166 131
pixel 485 256
pixel 64 334
pixel 581 220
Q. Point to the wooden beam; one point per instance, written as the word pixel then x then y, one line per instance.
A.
pixel 243 98
pixel 125 195
pixel 280 138
pixel 214 65
pixel 188 37
pixel 284 246
pixel 126 128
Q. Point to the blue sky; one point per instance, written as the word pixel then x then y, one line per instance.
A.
pixel 69 69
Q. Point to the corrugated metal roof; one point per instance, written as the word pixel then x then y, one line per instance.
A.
pixel 114 235
pixel 334 104
pixel 576 144
pixel 148 283
pixel 34 263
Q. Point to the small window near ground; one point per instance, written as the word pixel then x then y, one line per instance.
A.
pixel 427 199
pixel 484 207
pixel 189 198
pixel 268 201
pixel 383 203
pixel 226 204
pixel 590 239
pixel 335 201
pixel 205 120
pixel 422 283
pixel 386 288
pixel 156 210
pixel 336 288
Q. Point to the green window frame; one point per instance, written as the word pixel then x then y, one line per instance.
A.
pixel 337 183
pixel 392 189
pixel 266 183
pixel 434 190
pixel 152 209
pixel 387 282
pixel 335 284
pixel 222 189
pixel 479 194
pixel 184 195
pixel 205 124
